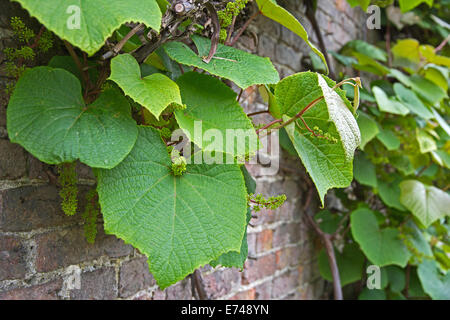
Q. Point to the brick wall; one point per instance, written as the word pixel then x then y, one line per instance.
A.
pixel 40 248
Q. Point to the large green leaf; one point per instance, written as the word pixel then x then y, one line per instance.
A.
pixel 350 264
pixel 427 203
pixel 364 4
pixel 48 117
pixel 381 246
pixel 390 194
pixel 233 258
pixel 179 222
pixel 273 11
pixel 433 281
pixel 242 68
pixel 88 23
pixel 155 92
pixel 213 115
pixel 329 163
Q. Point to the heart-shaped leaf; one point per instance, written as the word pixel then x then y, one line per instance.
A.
pixel 387 104
pixel 179 222
pixel 433 281
pixel 328 160
pixel 382 247
pixel 242 68
pixel 88 23
pixel 48 117
pixel 155 92
pixel 427 203
pixel 213 118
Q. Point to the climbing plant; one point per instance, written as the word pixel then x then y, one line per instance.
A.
pixel 124 88
pixel 396 213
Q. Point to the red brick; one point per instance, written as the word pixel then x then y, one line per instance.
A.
pixel 69 246
pixel 264 240
pixel 257 269
pixel 46 291
pixel 12 258
pixel 245 295
pixel 287 233
pixel 134 276
pixel 282 258
pixel 96 285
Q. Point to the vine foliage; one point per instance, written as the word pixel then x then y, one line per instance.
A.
pixel 114 105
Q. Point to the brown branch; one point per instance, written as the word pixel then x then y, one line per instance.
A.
pixel 328 243
pixel 269 125
pixel 257 113
pixel 196 277
pixel 442 45
pixel 244 27
pixel 230 30
pixel 118 47
pixel 77 62
pixel 216 33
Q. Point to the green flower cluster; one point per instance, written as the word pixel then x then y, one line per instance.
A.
pixel 226 16
pixel 69 189
pixel 90 215
pixel 259 201
pixel 178 163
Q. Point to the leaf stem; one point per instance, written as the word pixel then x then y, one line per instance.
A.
pixel 241 31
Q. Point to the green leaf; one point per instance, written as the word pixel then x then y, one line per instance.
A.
pixel 390 194
pixel 250 183
pixel 179 222
pixel 381 246
pixel 433 281
pixel 154 92
pixel 272 10
pixel 242 68
pixel 364 171
pixel 407 5
pixel 387 104
pixel 232 258
pixel 368 127
pixel 367 49
pixel 97 19
pixel 330 164
pixel 412 102
pixel 427 203
pixel 350 264
pixel 68 64
pixel 374 294
pixel 364 4
pixel 213 115
pixel 327 221
pixel 423 87
pixel 426 141
pixel 397 278
pixel 402 163
pixel 48 117
pixel 389 139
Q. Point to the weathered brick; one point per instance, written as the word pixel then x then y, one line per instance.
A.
pixel 134 276
pixel 69 246
pixel 285 283
pixel 264 240
pixel 46 291
pixel 180 291
pixel 12 160
pixel 263 291
pixel 96 285
pixel 30 208
pixel 245 295
pixel 12 258
pixel 221 282
pixel 257 269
